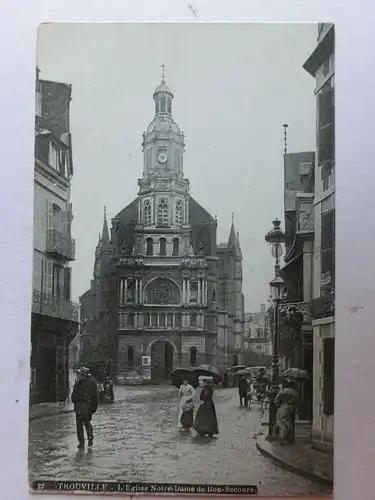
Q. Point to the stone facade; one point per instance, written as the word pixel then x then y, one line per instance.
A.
pixel 54 319
pixel 167 287
pixel 258 338
pixel 321 65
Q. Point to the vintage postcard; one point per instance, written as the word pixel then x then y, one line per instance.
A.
pixel 183 325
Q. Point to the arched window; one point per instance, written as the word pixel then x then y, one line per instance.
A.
pixel 146 319
pixel 170 320
pixel 162 105
pixel 162 246
pixel 163 211
pixel 193 355
pixel 131 291
pixel 130 356
pixel 176 246
pixel 235 360
pixel 147 213
pixel 162 320
pixel 179 213
pixel 178 320
pixel 193 320
pixel 149 246
pixel 156 107
pixel 130 321
pixel 169 105
pixel 154 320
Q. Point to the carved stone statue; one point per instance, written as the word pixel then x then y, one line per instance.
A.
pixel 124 249
pixel 201 248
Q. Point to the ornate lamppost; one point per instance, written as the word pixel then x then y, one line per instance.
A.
pixel 275 237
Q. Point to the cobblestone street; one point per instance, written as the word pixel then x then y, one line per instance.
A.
pixel 136 439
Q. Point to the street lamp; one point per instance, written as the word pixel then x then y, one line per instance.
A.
pixel 275 237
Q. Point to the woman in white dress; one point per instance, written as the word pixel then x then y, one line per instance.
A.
pixel 187 394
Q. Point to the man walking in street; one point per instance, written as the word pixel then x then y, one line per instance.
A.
pixel 85 400
pixel 243 388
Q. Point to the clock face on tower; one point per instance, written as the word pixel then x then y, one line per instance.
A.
pixel 162 158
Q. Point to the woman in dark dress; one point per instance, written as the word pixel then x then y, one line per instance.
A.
pixel 206 420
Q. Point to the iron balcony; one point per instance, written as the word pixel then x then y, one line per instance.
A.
pixel 48 305
pixel 61 244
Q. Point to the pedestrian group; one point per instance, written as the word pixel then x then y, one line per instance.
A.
pixel 85 399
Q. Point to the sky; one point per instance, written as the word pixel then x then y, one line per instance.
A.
pixel 234 87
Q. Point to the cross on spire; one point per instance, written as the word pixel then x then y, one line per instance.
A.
pixel 162 71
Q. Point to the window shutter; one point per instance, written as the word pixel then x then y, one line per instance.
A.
pixel 326 135
pixel 328 375
pixel 63 221
pixel 67 282
pixel 328 248
pixel 49 215
pixel 42 148
pixel 47 277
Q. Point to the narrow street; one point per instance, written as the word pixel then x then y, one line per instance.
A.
pixel 136 439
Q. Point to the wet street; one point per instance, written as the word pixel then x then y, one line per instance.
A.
pixel 136 439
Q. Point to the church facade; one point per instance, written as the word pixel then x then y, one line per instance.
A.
pixel 164 293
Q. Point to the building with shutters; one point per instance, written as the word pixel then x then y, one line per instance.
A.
pixel 164 294
pixel 54 318
pixel 257 334
pixel 296 332
pixel 321 65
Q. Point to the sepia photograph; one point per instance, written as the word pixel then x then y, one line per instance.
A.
pixel 183 300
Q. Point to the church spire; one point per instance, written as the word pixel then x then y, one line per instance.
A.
pixel 234 239
pixel 104 240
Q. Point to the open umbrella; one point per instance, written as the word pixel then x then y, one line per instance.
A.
pixel 235 369
pixel 295 374
pixel 242 372
pixel 208 370
pixel 180 374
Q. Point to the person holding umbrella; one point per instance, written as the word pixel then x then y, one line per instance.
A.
pixel 205 423
pixel 286 403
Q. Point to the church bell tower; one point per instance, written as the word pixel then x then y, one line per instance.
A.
pixel 163 201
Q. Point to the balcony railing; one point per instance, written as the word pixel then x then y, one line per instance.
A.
pixel 323 307
pixel 300 308
pixel 52 306
pixel 61 244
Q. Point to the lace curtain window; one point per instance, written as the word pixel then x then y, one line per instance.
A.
pixel 179 213
pixel 147 213
pixel 163 211
pixel 162 246
pixel 176 246
pixel 149 246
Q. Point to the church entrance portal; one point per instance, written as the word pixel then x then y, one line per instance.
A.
pixel 161 360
